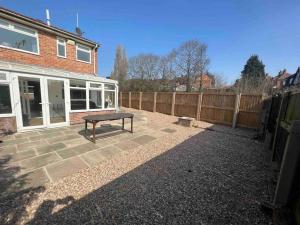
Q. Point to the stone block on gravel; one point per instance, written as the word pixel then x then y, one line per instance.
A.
pixel 110 151
pixel 169 130
pixel 127 145
pixel 65 168
pixel 93 158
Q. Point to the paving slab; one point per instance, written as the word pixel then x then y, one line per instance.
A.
pixel 169 130
pixel 110 151
pixel 62 138
pixel 29 145
pixel 76 142
pixel 127 145
pixel 26 134
pixel 39 161
pixel 44 136
pixel 50 148
pixel 13 142
pixel 144 139
pixel 32 179
pixel 93 158
pixel 65 168
pixel 8 149
pixel 77 150
pixel 22 155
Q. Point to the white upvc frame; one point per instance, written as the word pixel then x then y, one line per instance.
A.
pixel 81 48
pixel 8 81
pixel 86 96
pixel 64 44
pixel 67 102
pixel 87 89
pixel 11 27
pixel 44 102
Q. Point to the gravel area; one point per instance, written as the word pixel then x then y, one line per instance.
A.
pixel 211 174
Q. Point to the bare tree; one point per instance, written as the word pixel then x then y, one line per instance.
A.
pixel 120 67
pixel 167 68
pixel 192 61
pixel 144 69
pixel 219 81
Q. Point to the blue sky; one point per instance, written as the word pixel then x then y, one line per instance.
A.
pixel 232 29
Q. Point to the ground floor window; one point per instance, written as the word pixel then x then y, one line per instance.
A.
pixel 5 100
pixel 95 99
pixel 109 99
pixel 78 99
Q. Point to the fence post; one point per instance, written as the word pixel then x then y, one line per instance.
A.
pixel 140 101
pixel 129 100
pixel 173 104
pixel 121 98
pixel 199 104
pixel 236 109
pixel 154 101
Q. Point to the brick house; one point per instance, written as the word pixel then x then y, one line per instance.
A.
pixel 207 82
pixel 48 76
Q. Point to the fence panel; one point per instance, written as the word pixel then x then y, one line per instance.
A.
pixel 135 100
pixel 125 99
pixel 147 101
pixel 186 104
pixel 249 111
pixel 218 108
pixel 164 102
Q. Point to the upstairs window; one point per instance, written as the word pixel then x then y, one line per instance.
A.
pixel 83 53
pixel 18 37
pixel 61 48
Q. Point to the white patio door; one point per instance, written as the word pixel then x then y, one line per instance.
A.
pixel 56 102
pixel 43 102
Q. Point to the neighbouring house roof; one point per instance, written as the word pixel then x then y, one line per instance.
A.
pixel 24 68
pixel 38 24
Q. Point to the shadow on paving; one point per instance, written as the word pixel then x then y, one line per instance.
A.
pixel 14 194
pixel 211 178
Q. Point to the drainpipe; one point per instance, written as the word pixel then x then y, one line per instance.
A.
pixel 96 46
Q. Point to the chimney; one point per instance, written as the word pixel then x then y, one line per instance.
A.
pixel 48 17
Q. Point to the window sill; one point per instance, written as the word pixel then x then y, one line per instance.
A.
pixel 83 61
pixel 20 50
pixel 92 110
pixel 7 115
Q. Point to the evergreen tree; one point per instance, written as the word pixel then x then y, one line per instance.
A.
pixel 254 68
pixel 120 70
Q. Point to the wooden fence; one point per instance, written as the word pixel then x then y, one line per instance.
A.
pixel 230 109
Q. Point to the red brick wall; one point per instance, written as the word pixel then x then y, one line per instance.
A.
pixel 8 124
pixel 76 117
pixel 48 56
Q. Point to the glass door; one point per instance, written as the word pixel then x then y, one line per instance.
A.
pixel 32 102
pixel 56 101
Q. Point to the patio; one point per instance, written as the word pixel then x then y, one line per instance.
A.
pixel 161 174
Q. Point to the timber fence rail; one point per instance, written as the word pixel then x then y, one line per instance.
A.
pixel 241 110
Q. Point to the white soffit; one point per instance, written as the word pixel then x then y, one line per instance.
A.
pixel 24 68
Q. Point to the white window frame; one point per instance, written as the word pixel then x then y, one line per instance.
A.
pixel 64 45
pixel 86 96
pixel 95 89
pixel 115 90
pixel 79 47
pixel 8 81
pixel 11 27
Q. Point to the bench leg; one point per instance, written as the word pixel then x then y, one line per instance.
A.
pixel 94 131
pixel 85 127
pixel 131 124
pixel 123 124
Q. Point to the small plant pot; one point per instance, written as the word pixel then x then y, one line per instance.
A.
pixel 186 121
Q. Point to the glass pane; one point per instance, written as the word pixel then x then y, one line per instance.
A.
pixel 61 41
pixel 2 76
pixel 24 29
pixel 84 47
pixel 77 83
pixel 5 104
pixel 3 23
pixel 94 85
pixel 95 99
pixel 83 56
pixel 61 51
pixel 16 40
pixel 109 99
pixel 56 95
pixel 31 102
pixel 78 99
pixel 109 86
